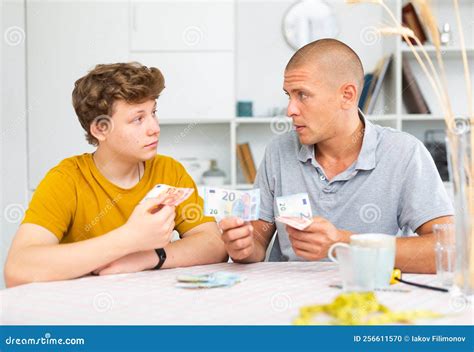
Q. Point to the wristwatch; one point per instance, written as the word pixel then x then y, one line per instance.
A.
pixel 160 252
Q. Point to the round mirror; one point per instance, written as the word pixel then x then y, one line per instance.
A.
pixel 307 21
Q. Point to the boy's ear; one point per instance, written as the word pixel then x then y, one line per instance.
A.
pixel 101 127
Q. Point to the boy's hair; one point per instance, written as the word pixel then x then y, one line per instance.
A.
pixel 94 94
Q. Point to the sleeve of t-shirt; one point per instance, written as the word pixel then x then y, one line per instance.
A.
pixel 266 183
pixel 189 213
pixel 423 195
pixel 53 204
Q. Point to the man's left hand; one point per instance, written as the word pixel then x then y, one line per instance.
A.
pixel 313 242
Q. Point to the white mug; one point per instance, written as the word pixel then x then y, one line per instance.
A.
pixel 384 246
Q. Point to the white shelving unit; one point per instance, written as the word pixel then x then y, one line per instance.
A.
pixel 237 53
pixel 390 111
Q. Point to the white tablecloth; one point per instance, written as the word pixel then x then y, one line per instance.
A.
pixel 272 294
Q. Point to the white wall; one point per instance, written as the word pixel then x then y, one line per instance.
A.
pixel 13 122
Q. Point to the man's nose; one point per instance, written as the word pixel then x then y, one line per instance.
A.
pixel 292 109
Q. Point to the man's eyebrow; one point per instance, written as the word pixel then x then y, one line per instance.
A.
pixel 295 90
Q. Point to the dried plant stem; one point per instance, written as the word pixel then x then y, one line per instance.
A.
pixel 440 88
pixel 471 125
pixel 430 21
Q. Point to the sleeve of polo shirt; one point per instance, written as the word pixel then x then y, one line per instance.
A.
pixel 265 182
pixel 423 196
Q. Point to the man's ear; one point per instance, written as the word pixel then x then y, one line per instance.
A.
pixel 101 127
pixel 349 95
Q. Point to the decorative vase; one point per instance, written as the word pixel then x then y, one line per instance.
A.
pixel 461 170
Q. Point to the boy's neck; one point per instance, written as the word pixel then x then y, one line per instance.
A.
pixel 123 173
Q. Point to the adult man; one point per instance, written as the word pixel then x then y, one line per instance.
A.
pixel 85 215
pixel 360 177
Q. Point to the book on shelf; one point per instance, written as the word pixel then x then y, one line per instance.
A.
pixel 365 91
pixel 413 99
pixel 247 164
pixel 411 20
pixel 373 85
pixel 379 78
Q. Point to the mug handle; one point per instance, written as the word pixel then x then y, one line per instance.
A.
pixel 333 247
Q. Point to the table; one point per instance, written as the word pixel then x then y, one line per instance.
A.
pixel 271 295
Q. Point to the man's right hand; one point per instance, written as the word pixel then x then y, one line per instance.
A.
pixel 150 225
pixel 238 238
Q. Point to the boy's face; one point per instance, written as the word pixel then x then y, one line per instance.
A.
pixel 135 131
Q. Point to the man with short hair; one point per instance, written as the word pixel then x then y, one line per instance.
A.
pixel 85 216
pixel 360 177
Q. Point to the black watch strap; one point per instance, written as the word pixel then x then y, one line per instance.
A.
pixel 160 252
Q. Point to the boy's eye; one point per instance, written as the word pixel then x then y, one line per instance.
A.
pixel 138 119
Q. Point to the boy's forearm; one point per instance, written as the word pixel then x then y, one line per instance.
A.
pixel 66 261
pixel 197 249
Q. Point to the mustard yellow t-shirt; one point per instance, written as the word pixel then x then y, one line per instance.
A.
pixel 76 202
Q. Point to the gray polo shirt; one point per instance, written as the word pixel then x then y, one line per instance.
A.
pixel 393 185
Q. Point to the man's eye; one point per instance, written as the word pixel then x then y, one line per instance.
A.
pixel 302 95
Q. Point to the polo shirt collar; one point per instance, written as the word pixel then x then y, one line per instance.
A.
pixel 366 159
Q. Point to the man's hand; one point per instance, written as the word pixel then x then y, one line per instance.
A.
pixel 238 238
pixel 313 242
pixel 150 225
pixel 134 262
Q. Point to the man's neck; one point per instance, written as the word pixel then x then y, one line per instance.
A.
pixel 338 153
pixel 123 173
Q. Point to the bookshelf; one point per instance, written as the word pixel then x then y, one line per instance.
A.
pixel 239 55
pixel 390 111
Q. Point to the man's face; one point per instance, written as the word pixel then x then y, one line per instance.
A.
pixel 313 103
pixel 135 130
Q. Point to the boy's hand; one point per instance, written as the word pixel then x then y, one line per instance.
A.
pixel 150 225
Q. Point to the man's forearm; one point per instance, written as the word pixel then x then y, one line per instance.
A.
pixel 416 254
pixel 65 261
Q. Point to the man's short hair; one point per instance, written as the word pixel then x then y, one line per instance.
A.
pixel 338 57
pixel 95 93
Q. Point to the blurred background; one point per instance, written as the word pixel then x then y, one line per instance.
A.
pixel 223 63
